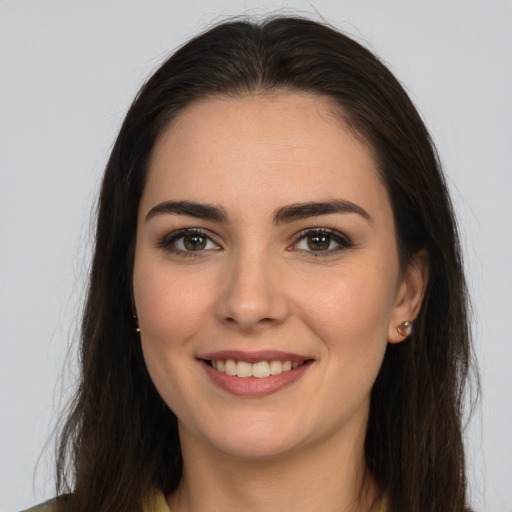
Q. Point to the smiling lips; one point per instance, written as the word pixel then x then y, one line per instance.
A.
pixel 254 374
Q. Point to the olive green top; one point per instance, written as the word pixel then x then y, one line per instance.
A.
pixel 159 504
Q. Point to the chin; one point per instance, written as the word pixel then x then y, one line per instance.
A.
pixel 257 449
pixel 252 440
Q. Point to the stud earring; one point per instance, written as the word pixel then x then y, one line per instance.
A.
pixel 405 328
pixel 137 328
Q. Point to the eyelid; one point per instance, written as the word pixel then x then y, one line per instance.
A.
pixel 343 241
pixel 166 242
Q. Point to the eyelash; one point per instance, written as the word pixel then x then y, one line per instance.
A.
pixel 342 240
pixel 167 242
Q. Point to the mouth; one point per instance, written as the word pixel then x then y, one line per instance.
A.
pixel 259 369
pixel 254 374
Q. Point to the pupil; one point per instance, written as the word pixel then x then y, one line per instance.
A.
pixel 319 243
pixel 194 242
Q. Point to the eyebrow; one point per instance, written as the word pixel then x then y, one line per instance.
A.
pixel 198 210
pixel 314 209
pixel 283 215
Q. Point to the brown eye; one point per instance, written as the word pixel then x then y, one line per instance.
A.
pixel 188 242
pixel 194 242
pixel 319 242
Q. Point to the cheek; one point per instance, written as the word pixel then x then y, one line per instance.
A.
pixel 357 303
pixel 171 307
pixel 351 314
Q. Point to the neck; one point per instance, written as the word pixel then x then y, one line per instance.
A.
pixel 329 476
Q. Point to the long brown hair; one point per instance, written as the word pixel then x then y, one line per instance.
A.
pixel 120 440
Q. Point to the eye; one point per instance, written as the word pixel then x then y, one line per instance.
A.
pixel 321 241
pixel 188 241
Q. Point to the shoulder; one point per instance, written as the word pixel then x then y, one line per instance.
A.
pixel 47 506
pixel 381 505
pixel 156 504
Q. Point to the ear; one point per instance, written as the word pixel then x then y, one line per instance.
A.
pixel 410 292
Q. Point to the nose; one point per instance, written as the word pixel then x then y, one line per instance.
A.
pixel 251 294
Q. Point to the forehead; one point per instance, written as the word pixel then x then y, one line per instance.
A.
pixel 274 149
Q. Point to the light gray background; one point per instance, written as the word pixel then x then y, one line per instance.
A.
pixel 68 70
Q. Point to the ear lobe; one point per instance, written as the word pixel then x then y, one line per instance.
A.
pixel 409 298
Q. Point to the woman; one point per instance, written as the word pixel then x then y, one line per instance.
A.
pixel 277 313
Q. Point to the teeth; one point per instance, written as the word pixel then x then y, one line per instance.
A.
pixel 230 367
pixel 276 367
pixel 243 369
pixel 259 370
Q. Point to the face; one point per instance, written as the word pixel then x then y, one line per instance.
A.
pixel 266 277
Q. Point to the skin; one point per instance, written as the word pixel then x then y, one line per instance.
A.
pixel 257 285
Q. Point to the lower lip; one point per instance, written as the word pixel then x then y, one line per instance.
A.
pixel 252 386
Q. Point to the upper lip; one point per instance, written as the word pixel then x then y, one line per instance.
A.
pixel 254 356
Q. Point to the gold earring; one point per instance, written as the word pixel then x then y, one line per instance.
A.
pixel 405 328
